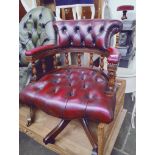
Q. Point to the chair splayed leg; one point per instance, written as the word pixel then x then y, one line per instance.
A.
pixel 30 116
pixel 50 137
pixel 90 136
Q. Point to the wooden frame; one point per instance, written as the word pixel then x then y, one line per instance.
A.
pixel 73 141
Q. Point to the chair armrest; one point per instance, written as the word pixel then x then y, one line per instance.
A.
pixel 40 49
pixel 38 59
pixel 114 55
pixel 113 60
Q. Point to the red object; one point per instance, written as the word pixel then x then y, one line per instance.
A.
pixel 71 94
pixel 125 8
pixel 85 33
pixel 114 55
pixel 53 92
pixel 40 49
pixel 76 92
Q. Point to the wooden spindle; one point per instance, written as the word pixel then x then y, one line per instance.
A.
pixel 34 72
pixel 91 60
pixel 102 62
pixel 79 59
pixel 66 59
pixel 54 61
pixel 112 76
pixel 117 40
pixel 43 65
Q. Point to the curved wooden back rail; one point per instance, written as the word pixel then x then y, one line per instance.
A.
pixel 104 66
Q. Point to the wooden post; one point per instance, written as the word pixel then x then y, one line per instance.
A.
pixel 91 60
pixel 102 62
pixel 63 14
pixel 100 135
pixel 54 59
pixel 79 59
pixel 100 8
pixel 34 72
pixel 117 40
pixel 66 59
pixel 112 76
pixel 43 66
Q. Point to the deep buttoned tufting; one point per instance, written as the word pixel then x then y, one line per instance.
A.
pixel 85 33
pixel 35 29
pixel 72 93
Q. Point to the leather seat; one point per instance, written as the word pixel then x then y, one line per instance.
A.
pixel 72 93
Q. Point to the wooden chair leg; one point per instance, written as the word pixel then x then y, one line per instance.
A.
pixel 90 136
pixel 30 116
pixel 50 137
pixel 100 135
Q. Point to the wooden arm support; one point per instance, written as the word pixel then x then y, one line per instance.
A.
pixel 113 60
pixel 40 53
pixel 112 78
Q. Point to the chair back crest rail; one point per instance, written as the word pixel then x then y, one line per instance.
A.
pixel 91 37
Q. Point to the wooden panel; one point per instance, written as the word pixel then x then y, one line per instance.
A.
pixel 73 140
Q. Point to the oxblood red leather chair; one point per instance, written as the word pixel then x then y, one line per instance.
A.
pixel 75 91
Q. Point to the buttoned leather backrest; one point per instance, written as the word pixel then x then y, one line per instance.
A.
pixel 35 29
pixel 86 33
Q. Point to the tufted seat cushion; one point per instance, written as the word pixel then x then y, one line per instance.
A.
pixel 72 93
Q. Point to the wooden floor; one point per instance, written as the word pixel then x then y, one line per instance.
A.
pixel 73 140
